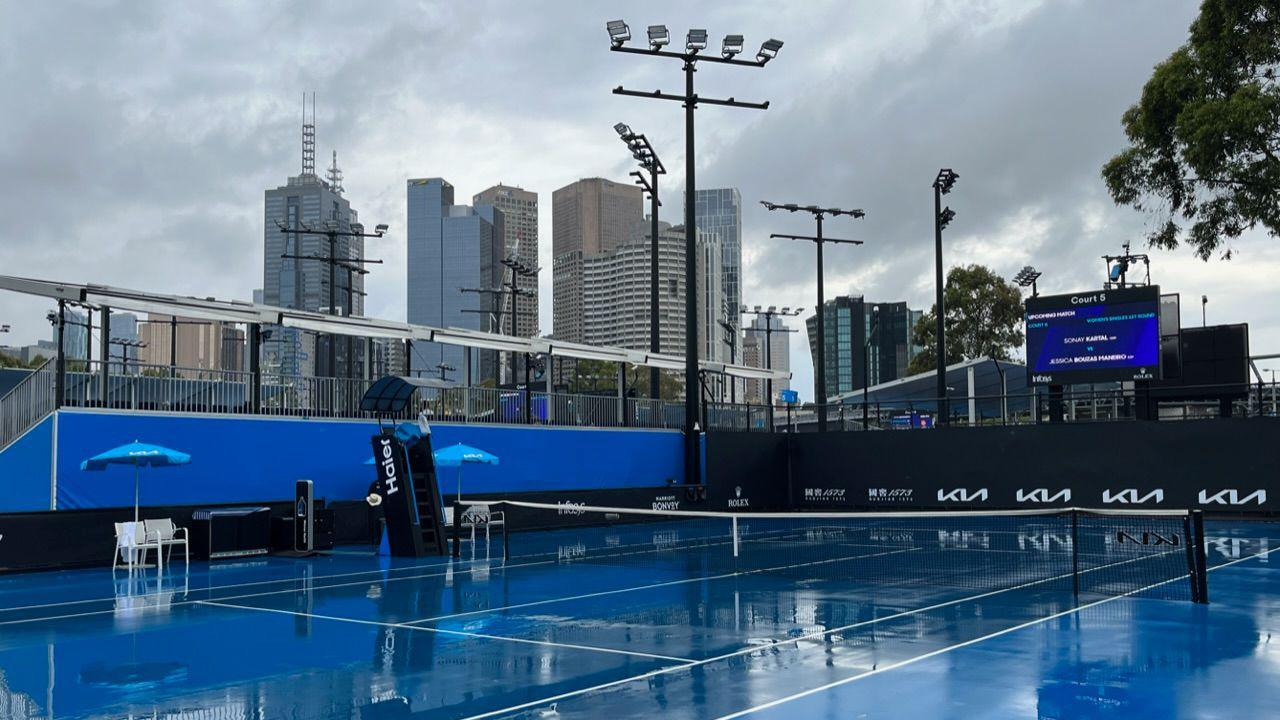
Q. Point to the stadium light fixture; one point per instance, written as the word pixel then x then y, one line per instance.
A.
pixel 1027 277
pixel 624 131
pixel 619 33
pixel 658 36
pixel 945 218
pixel 696 40
pixel 946 180
pixel 768 50
pixel 732 46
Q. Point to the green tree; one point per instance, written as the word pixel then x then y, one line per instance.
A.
pixel 984 319
pixel 1204 137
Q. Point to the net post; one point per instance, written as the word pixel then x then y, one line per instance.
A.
pixel 506 538
pixel 1075 555
pixel 735 536
pixel 1193 570
pixel 1202 562
pixel 457 529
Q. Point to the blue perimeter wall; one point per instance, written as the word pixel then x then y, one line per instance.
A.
pixel 248 460
pixel 26 467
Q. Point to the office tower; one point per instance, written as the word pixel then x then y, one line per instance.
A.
pixel 588 217
pixel 754 345
pixel 200 344
pixel 616 292
pixel 520 240
pixel 307 201
pixel 719 212
pixel 857 333
pixel 455 255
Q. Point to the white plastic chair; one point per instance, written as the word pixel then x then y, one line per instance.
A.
pixel 131 546
pixel 477 515
pixel 164 534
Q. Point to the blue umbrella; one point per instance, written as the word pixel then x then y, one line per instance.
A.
pixel 136 454
pixel 459 454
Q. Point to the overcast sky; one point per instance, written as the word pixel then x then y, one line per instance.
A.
pixel 139 137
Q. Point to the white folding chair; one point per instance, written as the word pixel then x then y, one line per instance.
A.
pixel 132 544
pixel 165 535
pixel 482 515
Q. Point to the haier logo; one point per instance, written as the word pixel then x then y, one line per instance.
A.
pixel 962 495
pixel 1232 497
pixel 1129 496
pixel 1041 495
pixel 1146 538
pixel 388 463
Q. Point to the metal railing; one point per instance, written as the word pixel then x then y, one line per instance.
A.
pixel 27 403
pixel 1083 405
pixel 135 386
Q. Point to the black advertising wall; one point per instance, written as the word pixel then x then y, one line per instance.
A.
pixel 1221 466
pixel 747 471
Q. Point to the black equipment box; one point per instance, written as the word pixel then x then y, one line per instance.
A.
pixel 230 532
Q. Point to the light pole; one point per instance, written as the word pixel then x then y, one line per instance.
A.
pixel 768 330
pixel 332 231
pixel 696 41
pixel 866 355
pixel 644 154
pixel 942 217
pixel 1204 302
pixel 820 372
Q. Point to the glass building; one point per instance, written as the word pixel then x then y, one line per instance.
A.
pixel 718 211
pixel 863 340
pixel 453 251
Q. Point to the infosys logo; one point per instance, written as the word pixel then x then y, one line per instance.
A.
pixel 1232 497
pixel 568 507
pixel 1042 378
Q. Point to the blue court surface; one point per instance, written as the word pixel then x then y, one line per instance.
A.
pixel 555 631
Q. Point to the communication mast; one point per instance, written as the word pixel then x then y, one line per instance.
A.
pixel 1118 267
pixel 308 137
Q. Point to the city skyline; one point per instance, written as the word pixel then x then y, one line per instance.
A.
pixel 198 174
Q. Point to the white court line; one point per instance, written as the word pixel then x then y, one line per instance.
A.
pixel 233 585
pixel 654 585
pixel 811 636
pixel 440 631
pixel 974 641
pixel 446 565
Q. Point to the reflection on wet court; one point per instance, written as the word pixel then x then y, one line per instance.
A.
pixel 603 622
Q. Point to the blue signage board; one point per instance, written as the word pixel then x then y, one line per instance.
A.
pixel 790 397
pixel 1100 336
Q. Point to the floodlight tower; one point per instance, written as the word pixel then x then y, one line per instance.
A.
pixel 695 42
pixel 820 372
pixel 644 154
pixel 1027 277
pixel 769 314
pixel 942 217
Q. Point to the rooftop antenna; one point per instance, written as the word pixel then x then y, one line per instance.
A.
pixel 335 175
pixel 309 137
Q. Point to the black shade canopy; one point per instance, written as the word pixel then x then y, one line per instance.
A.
pixel 392 393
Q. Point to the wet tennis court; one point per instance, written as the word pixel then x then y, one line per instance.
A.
pixel 912 617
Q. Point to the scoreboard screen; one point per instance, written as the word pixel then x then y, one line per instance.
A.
pixel 1100 336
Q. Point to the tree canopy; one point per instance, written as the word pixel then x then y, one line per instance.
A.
pixel 983 319
pixel 1204 137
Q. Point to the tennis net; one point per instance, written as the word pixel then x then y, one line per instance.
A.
pixel 1086 552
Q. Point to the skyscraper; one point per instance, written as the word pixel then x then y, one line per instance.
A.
pixel 857 333
pixel 754 346
pixel 308 201
pixel 588 217
pixel 453 252
pixel 520 240
pixel 719 212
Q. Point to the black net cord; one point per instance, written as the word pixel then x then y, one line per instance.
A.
pixel 1201 564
